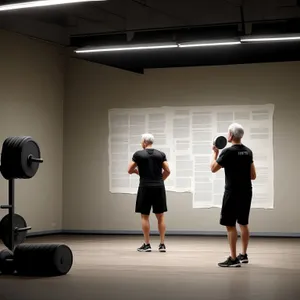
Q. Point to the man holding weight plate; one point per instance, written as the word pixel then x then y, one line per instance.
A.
pixel 239 168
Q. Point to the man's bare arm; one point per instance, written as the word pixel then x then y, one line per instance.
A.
pixel 166 170
pixel 253 172
pixel 214 166
pixel 132 168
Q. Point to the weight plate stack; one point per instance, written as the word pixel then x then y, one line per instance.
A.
pixel 43 259
pixel 15 162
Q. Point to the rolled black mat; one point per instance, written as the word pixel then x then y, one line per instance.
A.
pixel 43 259
pixel 7 265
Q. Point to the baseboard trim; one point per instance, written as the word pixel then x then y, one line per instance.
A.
pixel 177 233
pixel 43 233
pixel 156 233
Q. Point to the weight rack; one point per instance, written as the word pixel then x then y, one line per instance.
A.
pixel 20 159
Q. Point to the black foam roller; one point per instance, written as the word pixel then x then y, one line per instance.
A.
pixel 7 265
pixel 43 259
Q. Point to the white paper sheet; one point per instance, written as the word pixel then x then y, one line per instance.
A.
pixel 185 135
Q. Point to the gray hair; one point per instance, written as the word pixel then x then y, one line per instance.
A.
pixel 148 138
pixel 236 130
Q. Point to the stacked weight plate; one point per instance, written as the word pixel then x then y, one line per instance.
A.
pixel 15 162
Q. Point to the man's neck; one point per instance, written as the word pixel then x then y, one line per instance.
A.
pixel 236 143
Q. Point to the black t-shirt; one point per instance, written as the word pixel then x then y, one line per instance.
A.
pixel 149 162
pixel 236 161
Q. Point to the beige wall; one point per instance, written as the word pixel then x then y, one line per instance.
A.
pixel 93 89
pixel 33 89
pixel 32 77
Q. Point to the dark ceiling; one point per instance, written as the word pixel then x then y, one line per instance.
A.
pixel 115 22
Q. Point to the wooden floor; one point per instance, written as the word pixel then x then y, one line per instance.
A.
pixel 109 267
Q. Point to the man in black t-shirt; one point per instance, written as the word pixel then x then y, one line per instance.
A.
pixel 239 168
pixel 152 167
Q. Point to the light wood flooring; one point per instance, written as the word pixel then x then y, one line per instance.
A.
pixel 109 267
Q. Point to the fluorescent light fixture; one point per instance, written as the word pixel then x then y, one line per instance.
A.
pixel 125 48
pixel 208 44
pixel 41 3
pixel 270 39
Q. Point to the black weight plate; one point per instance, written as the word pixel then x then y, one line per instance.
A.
pixel 14 157
pixel 7 160
pixel 19 237
pixel 29 147
pixel 4 153
pixel 17 157
pixel 10 158
pixel 7 265
pixel 220 142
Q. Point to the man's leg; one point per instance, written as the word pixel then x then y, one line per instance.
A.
pixel 232 260
pixel 228 219
pixel 243 257
pixel 243 220
pixel 245 235
pixel 146 228
pixel 146 247
pixel 159 208
pixel 232 239
pixel 144 207
pixel 161 227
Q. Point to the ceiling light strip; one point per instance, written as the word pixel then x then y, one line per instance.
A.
pixel 129 48
pixel 186 45
pixel 270 39
pixel 41 3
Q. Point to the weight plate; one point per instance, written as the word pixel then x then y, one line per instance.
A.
pixel 10 160
pixel 14 158
pixel 19 145
pixel 5 230
pixel 29 147
pixel 220 142
pixel 6 159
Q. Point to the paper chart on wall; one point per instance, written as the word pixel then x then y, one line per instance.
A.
pixel 185 135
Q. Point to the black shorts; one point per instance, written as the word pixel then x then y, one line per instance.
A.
pixel 151 196
pixel 236 208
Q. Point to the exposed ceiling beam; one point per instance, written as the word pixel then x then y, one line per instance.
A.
pixel 36 29
pixel 108 11
pixel 139 2
pixel 95 16
pixel 249 22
